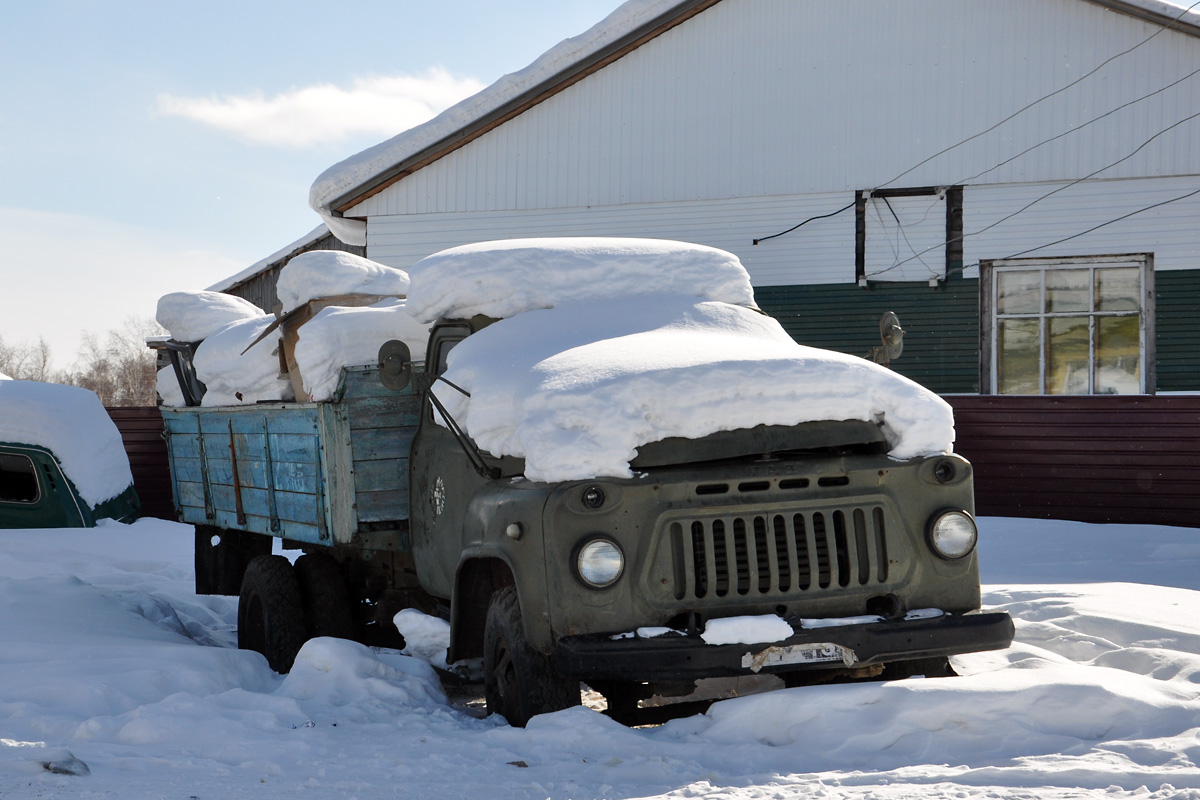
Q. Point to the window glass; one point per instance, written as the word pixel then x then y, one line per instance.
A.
pixel 1019 292
pixel 1020 364
pixel 443 353
pixel 1118 355
pixel 1118 289
pixel 1069 326
pixel 1068 362
pixel 1068 290
pixel 18 479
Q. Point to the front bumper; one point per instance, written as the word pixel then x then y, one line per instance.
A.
pixel 687 657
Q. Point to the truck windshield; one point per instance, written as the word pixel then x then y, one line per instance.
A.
pixel 443 352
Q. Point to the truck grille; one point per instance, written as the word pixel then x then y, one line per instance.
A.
pixel 779 553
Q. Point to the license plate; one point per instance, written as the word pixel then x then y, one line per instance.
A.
pixel 815 653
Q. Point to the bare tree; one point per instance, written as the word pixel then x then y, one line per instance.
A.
pixel 25 361
pixel 118 367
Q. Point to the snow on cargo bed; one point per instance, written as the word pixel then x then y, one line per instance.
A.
pixel 238 367
pixel 637 356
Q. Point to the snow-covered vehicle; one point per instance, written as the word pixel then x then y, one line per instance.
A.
pixel 62 462
pixel 621 472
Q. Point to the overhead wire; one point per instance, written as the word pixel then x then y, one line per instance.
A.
pixel 1052 192
pixel 1162 27
pixel 1027 251
pixel 802 224
pixel 1043 98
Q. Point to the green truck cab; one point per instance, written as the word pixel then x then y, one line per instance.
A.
pixel 550 582
pixel 857 563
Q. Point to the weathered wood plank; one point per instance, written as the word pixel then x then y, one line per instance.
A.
pixel 373 444
pixel 338 470
pixel 390 475
pixel 382 506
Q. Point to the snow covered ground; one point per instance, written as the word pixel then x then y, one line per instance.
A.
pixel 108 658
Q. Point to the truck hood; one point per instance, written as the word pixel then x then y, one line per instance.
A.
pixel 576 389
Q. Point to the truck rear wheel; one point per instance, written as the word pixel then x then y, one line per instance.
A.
pixel 519 682
pixel 326 601
pixel 271 611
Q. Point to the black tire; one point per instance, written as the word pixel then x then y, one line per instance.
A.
pixel 937 667
pixel 326 600
pixel 271 611
pixel 519 682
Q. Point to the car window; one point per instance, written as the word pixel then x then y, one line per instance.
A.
pixel 18 479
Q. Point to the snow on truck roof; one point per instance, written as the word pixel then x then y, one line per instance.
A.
pixel 604 346
pixel 72 424
pixel 329 273
pixel 503 278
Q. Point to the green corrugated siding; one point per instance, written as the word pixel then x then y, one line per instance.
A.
pixel 941 345
pixel 1177 324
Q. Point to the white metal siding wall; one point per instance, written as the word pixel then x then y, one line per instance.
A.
pixel 783 97
pixel 1171 232
pixel 823 253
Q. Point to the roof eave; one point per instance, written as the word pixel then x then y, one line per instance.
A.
pixel 572 74
pixel 1174 21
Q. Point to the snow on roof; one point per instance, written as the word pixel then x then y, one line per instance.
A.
pixel 576 389
pixel 4 377
pixel 347 175
pixel 72 424
pixel 194 316
pixel 500 279
pixel 330 273
pixel 280 254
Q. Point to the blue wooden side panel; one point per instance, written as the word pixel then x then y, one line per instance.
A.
pixel 251 468
pixel 382 424
pixel 265 468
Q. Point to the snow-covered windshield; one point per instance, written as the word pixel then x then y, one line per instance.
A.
pixel 574 385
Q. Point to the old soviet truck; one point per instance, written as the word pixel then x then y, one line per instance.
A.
pixel 434 483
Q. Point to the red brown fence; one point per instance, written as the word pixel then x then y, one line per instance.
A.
pixel 1095 459
pixel 141 430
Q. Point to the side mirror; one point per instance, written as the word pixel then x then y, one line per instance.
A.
pixel 395 365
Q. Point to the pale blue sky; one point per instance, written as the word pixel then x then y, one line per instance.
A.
pixel 149 147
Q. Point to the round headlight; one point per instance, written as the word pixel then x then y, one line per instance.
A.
pixel 953 534
pixel 600 563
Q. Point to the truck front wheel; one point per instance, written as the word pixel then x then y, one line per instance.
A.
pixel 271 611
pixel 519 682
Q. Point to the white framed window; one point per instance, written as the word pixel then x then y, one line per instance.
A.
pixel 1078 325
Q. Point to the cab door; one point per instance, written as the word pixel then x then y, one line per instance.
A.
pixel 441 478
pixel 33 491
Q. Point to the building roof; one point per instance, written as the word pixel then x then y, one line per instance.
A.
pixel 283 254
pixel 631 25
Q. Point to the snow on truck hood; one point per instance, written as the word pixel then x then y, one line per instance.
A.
pixel 599 356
